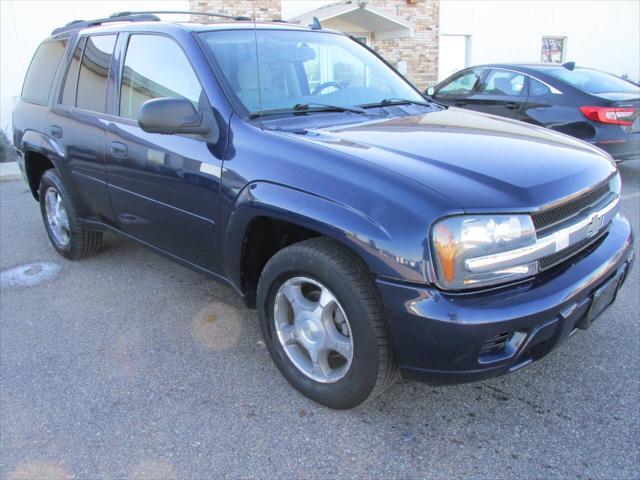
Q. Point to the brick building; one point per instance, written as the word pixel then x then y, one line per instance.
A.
pixel 404 32
pixel 264 9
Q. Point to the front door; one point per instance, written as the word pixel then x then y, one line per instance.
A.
pixel 456 90
pixel 164 188
pixel 502 92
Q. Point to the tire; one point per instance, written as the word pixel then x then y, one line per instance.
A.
pixel 332 268
pixel 66 233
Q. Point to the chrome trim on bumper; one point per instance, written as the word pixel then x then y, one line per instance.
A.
pixel 548 245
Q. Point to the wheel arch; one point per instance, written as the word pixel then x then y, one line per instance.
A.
pixel 40 154
pixel 268 217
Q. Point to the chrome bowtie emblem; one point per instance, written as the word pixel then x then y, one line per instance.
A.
pixel 595 222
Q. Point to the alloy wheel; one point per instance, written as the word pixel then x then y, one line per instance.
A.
pixel 313 329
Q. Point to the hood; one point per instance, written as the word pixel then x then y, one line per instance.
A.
pixel 481 162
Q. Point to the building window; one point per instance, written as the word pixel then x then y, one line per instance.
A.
pixel 553 49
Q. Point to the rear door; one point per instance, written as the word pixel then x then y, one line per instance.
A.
pixel 164 188
pixel 543 107
pixel 501 92
pixel 78 121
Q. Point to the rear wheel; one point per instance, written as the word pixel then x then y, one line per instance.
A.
pixel 66 233
pixel 324 324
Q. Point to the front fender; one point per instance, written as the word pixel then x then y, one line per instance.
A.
pixel 355 230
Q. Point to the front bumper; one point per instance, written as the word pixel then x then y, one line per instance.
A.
pixel 452 338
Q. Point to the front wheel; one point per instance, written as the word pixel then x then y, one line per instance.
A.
pixel 324 325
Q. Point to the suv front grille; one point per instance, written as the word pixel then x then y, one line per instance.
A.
pixel 559 257
pixel 545 220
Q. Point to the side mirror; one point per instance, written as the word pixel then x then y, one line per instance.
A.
pixel 171 115
pixel 430 91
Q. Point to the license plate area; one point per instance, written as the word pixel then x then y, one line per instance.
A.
pixel 602 298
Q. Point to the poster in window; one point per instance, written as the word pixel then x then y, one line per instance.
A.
pixel 553 49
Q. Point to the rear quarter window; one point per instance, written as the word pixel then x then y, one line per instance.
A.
pixel 41 72
pixel 593 81
pixel 537 88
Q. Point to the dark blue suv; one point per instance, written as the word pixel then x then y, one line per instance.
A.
pixel 373 231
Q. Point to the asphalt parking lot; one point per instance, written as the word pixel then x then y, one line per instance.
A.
pixel 127 365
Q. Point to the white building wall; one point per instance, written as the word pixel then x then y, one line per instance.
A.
pixel 600 34
pixel 25 23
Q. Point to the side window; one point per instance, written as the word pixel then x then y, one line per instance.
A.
pixel 503 82
pixel 461 85
pixel 42 69
pixel 71 79
pixel 155 67
pixel 94 73
pixel 537 89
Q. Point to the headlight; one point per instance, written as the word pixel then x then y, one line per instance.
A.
pixel 456 239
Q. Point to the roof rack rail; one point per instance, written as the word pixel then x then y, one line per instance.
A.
pixel 77 24
pixel 184 12
pixel 144 16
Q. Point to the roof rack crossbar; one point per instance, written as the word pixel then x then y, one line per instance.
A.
pixel 77 24
pixel 144 16
pixel 184 12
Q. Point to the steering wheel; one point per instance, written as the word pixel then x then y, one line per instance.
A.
pixel 324 85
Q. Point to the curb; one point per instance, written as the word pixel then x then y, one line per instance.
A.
pixel 9 171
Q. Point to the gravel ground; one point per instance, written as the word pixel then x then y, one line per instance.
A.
pixel 127 365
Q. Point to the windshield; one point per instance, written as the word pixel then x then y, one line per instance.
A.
pixel 293 68
pixel 593 81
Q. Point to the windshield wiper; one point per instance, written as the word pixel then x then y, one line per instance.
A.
pixel 309 108
pixel 325 107
pixel 387 102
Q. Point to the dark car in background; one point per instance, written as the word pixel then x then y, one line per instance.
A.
pixel 588 104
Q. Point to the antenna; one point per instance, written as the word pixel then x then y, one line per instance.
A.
pixel 255 38
pixel 315 24
pixel 569 65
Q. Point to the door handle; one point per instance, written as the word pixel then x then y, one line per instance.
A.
pixel 460 103
pixel 119 149
pixel 56 131
pixel 512 106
